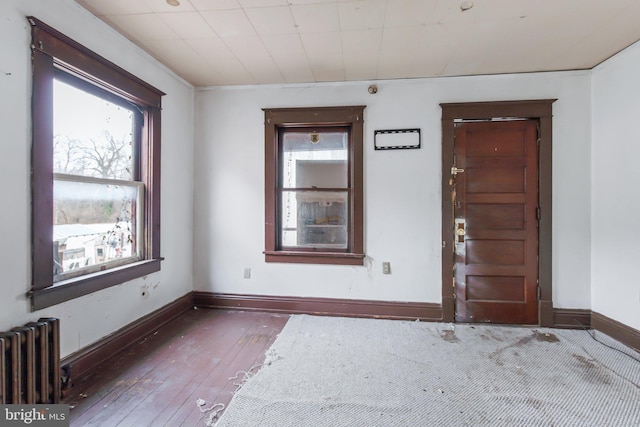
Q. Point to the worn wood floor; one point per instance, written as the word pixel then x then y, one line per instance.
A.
pixel 159 381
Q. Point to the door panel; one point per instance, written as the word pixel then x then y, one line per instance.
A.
pixel 488 288
pixel 494 252
pixel 488 179
pixel 501 143
pixel 493 216
pixel 496 236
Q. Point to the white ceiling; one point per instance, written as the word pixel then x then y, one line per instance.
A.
pixel 231 42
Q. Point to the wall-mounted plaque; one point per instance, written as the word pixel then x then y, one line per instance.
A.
pixel 396 139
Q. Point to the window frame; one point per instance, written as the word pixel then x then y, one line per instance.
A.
pixel 51 52
pixel 312 118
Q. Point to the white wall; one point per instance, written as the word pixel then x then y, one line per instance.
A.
pixel 86 319
pixel 402 188
pixel 615 193
pixel 594 195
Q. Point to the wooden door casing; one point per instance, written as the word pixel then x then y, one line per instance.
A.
pixel 496 203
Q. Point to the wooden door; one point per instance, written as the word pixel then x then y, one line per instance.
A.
pixel 496 227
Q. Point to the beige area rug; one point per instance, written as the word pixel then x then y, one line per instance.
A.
pixel 328 371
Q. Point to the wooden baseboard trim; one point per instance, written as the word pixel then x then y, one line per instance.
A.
pixel 82 363
pixel 571 318
pixel 321 306
pixel 616 330
pixel 546 313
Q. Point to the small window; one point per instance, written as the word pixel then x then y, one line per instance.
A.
pixel 314 185
pixel 315 189
pixel 95 171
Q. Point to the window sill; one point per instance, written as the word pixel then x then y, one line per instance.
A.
pixel 77 287
pixel 337 258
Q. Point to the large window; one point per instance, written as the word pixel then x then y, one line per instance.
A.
pixel 313 193
pixel 95 174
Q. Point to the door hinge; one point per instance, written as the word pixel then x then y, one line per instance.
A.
pixel 539 293
pixel 538 213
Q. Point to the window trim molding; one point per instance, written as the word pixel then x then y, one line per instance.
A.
pixel 53 50
pixel 348 116
pixel 80 60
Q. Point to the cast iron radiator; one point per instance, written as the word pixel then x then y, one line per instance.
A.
pixel 30 363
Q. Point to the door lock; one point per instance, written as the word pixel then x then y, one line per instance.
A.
pixel 460 230
pixel 455 171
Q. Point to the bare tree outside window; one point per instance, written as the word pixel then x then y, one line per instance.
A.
pixel 103 157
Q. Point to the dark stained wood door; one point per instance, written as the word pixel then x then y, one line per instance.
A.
pixel 496 227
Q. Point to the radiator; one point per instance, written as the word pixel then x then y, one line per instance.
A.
pixel 30 363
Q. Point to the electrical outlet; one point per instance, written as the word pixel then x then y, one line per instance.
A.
pixel 247 273
pixel 386 268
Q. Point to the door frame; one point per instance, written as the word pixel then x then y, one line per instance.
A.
pixel 540 110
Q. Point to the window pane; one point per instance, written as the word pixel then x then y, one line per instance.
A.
pixel 314 219
pixel 95 224
pixel 315 160
pixel 92 136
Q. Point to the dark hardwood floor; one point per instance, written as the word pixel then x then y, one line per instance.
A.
pixel 158 381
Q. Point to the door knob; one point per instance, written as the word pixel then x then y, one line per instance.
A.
pixel 460 230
